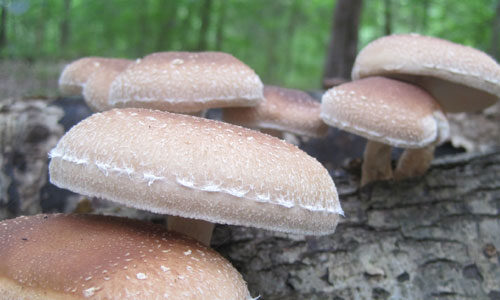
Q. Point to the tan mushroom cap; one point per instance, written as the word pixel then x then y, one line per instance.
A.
pixel 196 168
pixel 387 111
pixel 97 257
pixel 460 78
pixel 76 74
pixel 186 82
pixel 282 109
pixel 96 90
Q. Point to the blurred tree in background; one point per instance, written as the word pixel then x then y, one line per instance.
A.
pixel 285 41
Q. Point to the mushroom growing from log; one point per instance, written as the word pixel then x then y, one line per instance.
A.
pixel 196 168
pixel 186 82
pixel 459 78
pixel 75 75
pixel 181 82
pixel 282 110
pixel 90 256
pixel 388 113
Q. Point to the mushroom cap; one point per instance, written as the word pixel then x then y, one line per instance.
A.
pixel 186 82
pixel 96 90
pixel 460 78
pixel 196 168
pixel 89 256
pixel 387 111
pixel 282 109
pixel 76 74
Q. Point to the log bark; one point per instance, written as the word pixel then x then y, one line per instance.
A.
pixel 432 237
pixel 28 130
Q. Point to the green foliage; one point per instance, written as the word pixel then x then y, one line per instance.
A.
pixel 285 41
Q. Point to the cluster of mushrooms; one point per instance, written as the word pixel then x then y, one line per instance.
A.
pixel 402 87
pixel 148 147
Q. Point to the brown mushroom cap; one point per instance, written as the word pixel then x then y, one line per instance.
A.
pixel 186 82
pixel 96 89
pixel 460 78
pixel 196 168
pixel 76 74
pixel 89 256
pixel 387 111
pixel 282 109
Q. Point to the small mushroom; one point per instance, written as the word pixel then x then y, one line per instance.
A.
pixel 388 113
pixel 196 168
pixel 75 75
pixel 283 110
pixel 186 82
pixel 90 256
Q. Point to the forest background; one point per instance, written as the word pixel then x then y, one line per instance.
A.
pixel 285 41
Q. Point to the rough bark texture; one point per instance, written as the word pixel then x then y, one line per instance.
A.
pixel 28 130
pixel 434 237
pixel 476 132
pixel 344 40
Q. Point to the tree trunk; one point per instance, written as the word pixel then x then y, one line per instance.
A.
pixel 3 28
pixel 495 34
pixel 205 24
pixel 432 237
pixel 344 39
pixel 219 35
pixel 144 33
pixel 425 15
pixel 290 32
pixel 40 30
pixel 64 27
pixel 169 21
pixel 387 17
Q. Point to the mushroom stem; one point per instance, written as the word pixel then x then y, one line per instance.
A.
pixel 376 163
pixel 200 230
pixel 414 162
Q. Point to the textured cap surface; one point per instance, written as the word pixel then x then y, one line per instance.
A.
pixel 196 168
pixel 96 90
pixel 186 82
pixel 387 111
pixel 97 257
pixel 76 74
pixel 460 78
pixel 282 109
